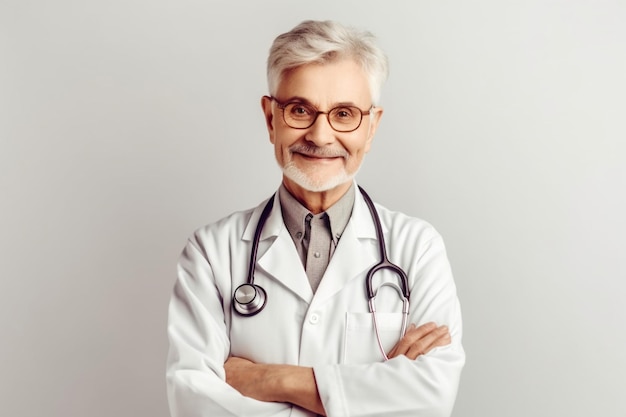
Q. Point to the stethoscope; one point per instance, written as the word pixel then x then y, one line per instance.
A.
pixel 249 298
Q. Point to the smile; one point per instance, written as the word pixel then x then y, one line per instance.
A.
pixel 318 154
pixel 318 157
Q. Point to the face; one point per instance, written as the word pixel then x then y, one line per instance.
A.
pixel 318 158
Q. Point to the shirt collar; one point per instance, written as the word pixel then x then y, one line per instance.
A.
pixel 295 214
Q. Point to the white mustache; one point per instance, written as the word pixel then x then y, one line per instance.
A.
pixel 317 152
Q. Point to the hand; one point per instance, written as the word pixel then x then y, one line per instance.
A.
pixel 420 340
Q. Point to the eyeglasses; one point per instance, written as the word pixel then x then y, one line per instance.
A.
pixel 301 115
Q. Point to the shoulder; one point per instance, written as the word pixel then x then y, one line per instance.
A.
pixel 397 222
pixel 407 237
pixel 220 234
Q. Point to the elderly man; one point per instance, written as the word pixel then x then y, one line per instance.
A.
pixel 300 306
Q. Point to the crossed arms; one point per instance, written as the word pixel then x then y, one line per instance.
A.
pixel 296 384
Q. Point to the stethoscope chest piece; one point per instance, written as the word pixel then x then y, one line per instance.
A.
pixel 249 299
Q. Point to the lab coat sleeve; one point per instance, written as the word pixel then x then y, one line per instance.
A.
pixel 199 345
pixel 425 387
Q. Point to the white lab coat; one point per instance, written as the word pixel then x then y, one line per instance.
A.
pixel 330 330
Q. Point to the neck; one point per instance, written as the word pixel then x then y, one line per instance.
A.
pixel 316 201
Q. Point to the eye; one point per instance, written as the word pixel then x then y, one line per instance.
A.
pixel 299 110
pixel 344 113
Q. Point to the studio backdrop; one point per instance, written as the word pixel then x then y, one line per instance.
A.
pixel 125 125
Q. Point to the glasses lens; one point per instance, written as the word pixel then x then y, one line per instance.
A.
pixel 345 119
pixel 299 115
pixel 302 116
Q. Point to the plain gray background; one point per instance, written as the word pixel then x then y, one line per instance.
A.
pixel 124 125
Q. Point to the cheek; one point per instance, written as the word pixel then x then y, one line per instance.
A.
pixel 367 147
pixel 279 152
pixel 359 146
pixel 284 138
pixel 282 142
pixel 356 157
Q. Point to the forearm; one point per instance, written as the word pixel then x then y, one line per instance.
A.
pixel 298 386
pixel 400 386
pixel 275 383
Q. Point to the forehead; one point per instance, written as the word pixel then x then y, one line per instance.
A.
pixel 342 81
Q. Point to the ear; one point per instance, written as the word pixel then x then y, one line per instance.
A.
pixel 375 115
pixel 266 105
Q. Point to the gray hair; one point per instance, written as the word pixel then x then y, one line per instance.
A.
pixel 323 42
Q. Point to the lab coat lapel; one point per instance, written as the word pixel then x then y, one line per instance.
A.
pixel 280 259
pixel 356 252
pixel 283 263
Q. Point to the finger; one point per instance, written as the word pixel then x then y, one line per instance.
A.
pixel 436 338
pixel 412 335
pixel 419 341
pixel 415 333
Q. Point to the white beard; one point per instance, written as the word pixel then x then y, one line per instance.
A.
pixel 306 181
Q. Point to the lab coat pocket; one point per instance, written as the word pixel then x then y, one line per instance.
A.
pixel 360 344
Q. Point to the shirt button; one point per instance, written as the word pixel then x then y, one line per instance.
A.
pixel 314 318
pixel 316 254
pixel 299 235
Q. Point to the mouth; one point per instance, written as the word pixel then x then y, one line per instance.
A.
pixel 317 160
pixel 318 154
pixel 317 157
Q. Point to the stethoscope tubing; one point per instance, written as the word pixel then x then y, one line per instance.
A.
pixel 257 237
pixel 384 262
pixel 249 299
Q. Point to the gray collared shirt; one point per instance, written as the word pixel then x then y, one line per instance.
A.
pixel 316 236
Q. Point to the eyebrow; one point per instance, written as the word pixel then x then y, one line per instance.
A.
pixel 303 100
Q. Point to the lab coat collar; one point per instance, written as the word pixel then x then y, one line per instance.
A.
pixel 272 226
pixel 277 254
pixel 357 251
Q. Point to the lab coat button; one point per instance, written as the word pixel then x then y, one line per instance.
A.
pixel 314 318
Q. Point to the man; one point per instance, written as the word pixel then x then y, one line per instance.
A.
pixel 312 345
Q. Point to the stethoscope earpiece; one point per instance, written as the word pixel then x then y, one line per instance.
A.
pixel 249 299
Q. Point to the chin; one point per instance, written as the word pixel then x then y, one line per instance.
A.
pixel 313 184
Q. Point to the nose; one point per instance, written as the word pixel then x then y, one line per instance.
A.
pixel 320 133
